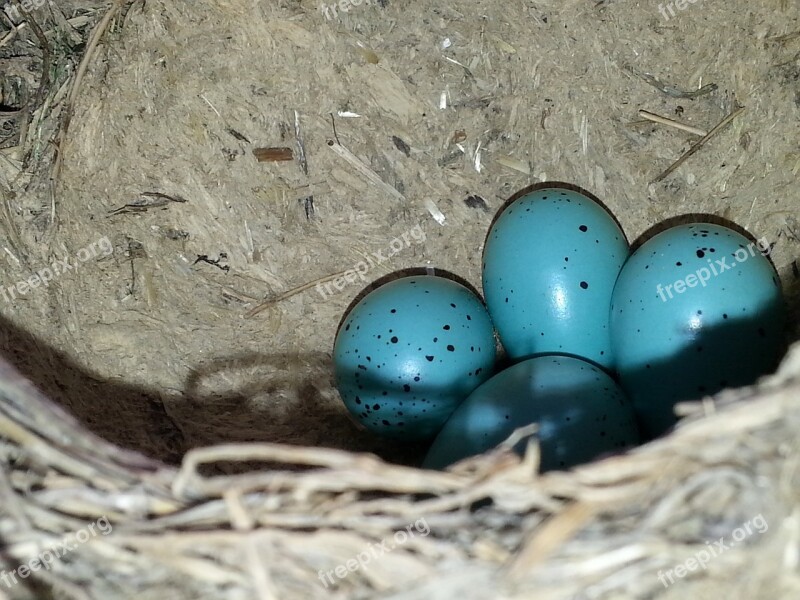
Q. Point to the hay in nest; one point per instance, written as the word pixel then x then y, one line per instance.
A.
pixel 725 482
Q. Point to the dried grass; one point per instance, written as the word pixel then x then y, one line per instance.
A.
pixel 606 530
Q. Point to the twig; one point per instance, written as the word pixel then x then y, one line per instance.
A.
pixel 91 47
pixel 308 201
pixel 288 294
pixel 364 170
pixel 699 143
pixel 46 57
pixel 273 154
pixel 158 200
pixel 12 34
pixel 44 80
pixel 373 178
pixel 668 90
pixel 671 122
pixel 301 149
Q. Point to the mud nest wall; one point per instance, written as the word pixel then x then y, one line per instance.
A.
pixel 399 118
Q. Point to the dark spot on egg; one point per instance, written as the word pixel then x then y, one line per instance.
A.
pixel 450 348
pixel 584 285
pixel 430 358
pixel 406 388
pixel 376 407
pixel 446 327
pixel 583 228
pixel 394 339
pixel 700 254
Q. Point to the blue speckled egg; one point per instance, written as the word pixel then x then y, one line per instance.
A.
pixel 581 413
pixel 697 308
pixel 410 352
pixel 549 267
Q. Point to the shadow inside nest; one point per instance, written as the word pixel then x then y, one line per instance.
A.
pixel 120 413
pixel 286 398
pixel 283 398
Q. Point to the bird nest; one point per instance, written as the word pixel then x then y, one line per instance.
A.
pixel 183 118
pixel 709 507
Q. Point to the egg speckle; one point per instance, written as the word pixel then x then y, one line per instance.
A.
pixel 580 411
pixel 397 379
pixel 549 267
pixel 697 308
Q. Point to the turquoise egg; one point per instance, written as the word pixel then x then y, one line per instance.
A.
pixel 581 413
pixel 697 308
pixel 410 352
pixel 549 267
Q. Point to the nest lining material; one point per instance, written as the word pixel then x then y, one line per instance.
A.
pixel 603 530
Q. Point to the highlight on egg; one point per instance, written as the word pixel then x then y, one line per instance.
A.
pixel 696 309
pixel 549 266
pixel 580 411
pixel 410 352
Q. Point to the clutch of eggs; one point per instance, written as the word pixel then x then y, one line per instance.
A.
pixel 410 352
pixel 697 308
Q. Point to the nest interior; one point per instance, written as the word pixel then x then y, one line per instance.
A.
pixel 396 116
